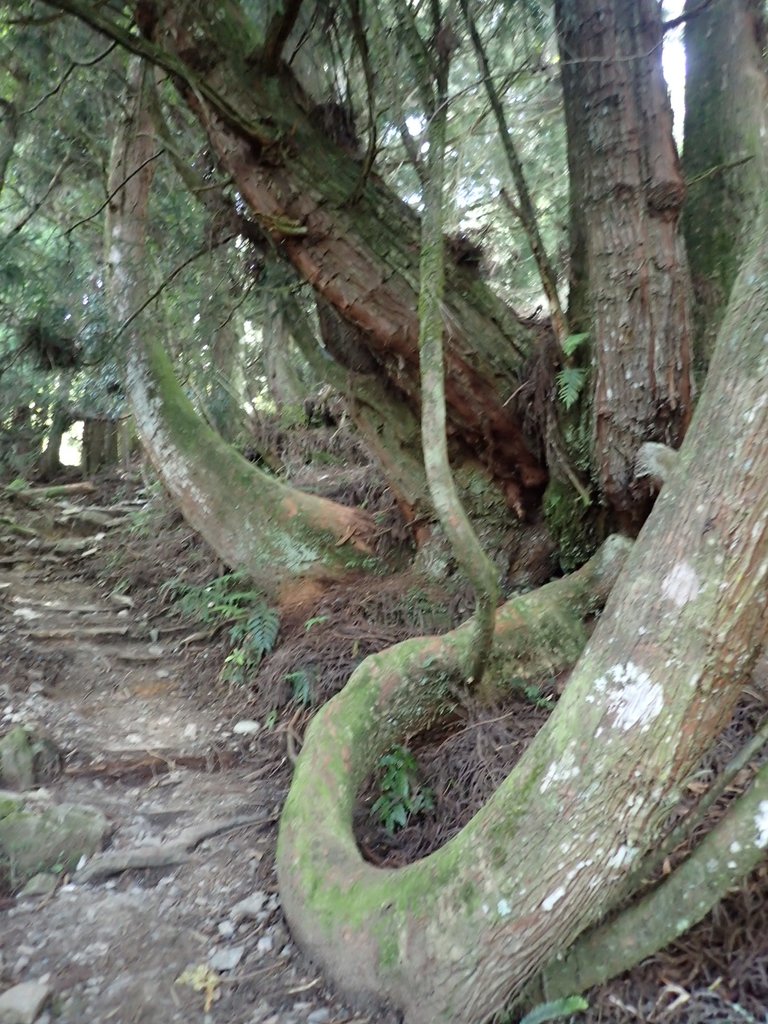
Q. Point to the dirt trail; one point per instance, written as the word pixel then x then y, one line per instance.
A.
pixel 108 687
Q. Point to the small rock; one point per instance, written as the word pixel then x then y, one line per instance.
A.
pixel 245 727
pixel 156 650
pixel 226 929
pixel 249 907
pixel 9 802
pixel 265 945
pixel 22 1003
pixel 190 731
pixel 52 838
pixel 226 959
pixel 40 885
pixel 17 759
pixel 319 1016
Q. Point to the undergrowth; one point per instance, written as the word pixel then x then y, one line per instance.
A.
pixel 229 600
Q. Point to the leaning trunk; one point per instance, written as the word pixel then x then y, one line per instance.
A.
pixel 252 521
pixel 342 229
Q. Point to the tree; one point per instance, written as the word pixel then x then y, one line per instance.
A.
pixel 482 922
pixel 250 519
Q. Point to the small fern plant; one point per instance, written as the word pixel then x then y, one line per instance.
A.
pixel 230 600
pixel 570 380
pixel 401 793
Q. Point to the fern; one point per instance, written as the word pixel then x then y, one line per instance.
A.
pixel 262 627
pixel 574 341
pixel 570 381
pixel 227 600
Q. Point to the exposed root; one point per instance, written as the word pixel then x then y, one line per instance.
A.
pixel 162 855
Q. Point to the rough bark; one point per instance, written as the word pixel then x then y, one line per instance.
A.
pixel 100 444
pixel 722 860
pixel 723 154
pixel 49 463
pixel 252 521
pixel 626 196
pixel 458 935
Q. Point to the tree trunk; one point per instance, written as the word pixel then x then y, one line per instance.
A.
pixel 49 463
pixel 459 934
pixel 725 165
pixel 283 381
pixel 253 522
pixel 631 286
pixel 361 256
pixel 100 444
pixel 223 402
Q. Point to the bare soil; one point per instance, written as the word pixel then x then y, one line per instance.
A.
pixel 94 656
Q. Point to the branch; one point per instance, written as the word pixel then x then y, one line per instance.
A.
pixel 166 281
pixel 464 542
pixel 113 193
pixel 72 67
pixel 667 26
pixel 524 209
pixel 278 31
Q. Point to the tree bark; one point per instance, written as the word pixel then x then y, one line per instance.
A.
pixel 631 284
pixel 457 936
pixel 49 463
pixel 723 155
pixel 280 536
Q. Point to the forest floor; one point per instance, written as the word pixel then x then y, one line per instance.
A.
pixel 95 656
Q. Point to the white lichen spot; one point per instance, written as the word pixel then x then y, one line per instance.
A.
pixel 735 847
pixel 554 897
pixel 485 908
pixel 761 824
pixel 635 699
pixel 503 908
pixel 622 858
pixel 712 865
pixel 560 771
pixel 731 864
pixel 680 585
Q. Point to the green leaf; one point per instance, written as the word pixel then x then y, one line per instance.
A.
pixel 555 1010
pixel 570 381
pixel 574 341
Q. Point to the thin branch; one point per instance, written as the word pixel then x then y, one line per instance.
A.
pixel 62 81
pixel 524 208
pixel 681 20
pixel 359 37
pixel 278 31
pixel 718 169
pixel 166 281
pixel 113 193
pixel 36 206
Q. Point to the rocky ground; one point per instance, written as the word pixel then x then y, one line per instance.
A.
pixel 119 694
pixel 178 919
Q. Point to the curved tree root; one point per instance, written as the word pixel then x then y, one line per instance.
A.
pixel 377 932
